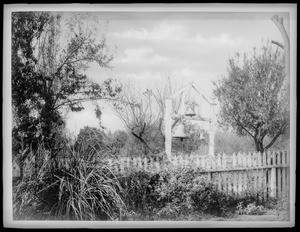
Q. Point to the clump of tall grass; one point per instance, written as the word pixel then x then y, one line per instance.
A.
pixel 70 186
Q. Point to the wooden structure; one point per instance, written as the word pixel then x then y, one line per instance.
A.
pixel 267 173
pixel 172 117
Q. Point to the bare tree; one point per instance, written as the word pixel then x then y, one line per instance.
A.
pixel 142 112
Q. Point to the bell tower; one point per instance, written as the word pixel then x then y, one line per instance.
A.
pixel 174 115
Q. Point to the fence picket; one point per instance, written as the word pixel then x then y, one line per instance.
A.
pixel 157 166
pixel 197 162
pixel 202 161
pixel 240 159
pixel 145 164
pixel 224 182
pixel 259 159
pixel 139 162
pixel 244 160
pixel 121 165
pixel 224 161
pixel 235 182
pixel 219 165
pixel 240 182
pixel 219 181
pixel 249 160
pixel 264 159
pixel 267 171
pixel 269 158
pixel 284 176
pixel 233 160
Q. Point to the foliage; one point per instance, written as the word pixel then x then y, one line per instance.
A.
pixel 139 193
pixel 253 97
pixel 50 53
pixel 173 194
pixel 229 143
pixel 116 142
pixel 100 143
pixel 91 140
pixel 72 187
pixel 250 209
pixel 186 191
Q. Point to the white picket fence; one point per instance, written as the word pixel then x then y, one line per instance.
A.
pixel 268 172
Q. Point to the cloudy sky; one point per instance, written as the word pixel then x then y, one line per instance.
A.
pixel 150 47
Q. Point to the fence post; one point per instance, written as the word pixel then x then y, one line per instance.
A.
pixel 273 182
pixel 284 182
pixel 279 173
pixel 288 174
pixel 272 158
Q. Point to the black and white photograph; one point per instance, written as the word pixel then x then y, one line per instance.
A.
pixel 149 115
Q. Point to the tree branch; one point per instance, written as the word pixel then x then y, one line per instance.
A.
pixel 275 138
pixel 240 124
pixel 68 57
pixel 278 44
pixel 142 140
pixel 86 99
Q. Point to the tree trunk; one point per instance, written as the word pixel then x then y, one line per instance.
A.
pixel 259 145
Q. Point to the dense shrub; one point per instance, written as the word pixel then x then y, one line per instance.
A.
pixel 139 191
pixel 186 191
pixel 182 194
pixel 250 209
pixel 72 187
pixel 174 194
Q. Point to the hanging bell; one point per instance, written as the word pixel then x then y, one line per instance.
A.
pixel 180 132
pixel 190 112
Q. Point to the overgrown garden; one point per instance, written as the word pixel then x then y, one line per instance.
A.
pixel 57 177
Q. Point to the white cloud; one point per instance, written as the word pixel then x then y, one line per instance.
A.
pixel 145 55
pixel 175 32
pixel 163 31
pixel 145 76
pixel 221 39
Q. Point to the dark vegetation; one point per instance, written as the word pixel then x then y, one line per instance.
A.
pixel 61 179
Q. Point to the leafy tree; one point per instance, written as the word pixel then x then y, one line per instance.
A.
pixel 91 141
pixel 252 98
pixel 229 143
pixel 98 143
pixel 50 53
